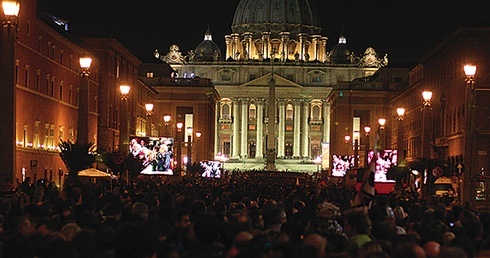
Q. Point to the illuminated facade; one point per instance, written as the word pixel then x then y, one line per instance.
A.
pixel 268 41
pixel 47 78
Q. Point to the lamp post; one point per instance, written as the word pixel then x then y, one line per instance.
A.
pixel 356 135
pixel 426 96
pixel 318 162
pixel 382 123
pixel 149 112
pixel 189 148
pixel 179 145
pixel 367 130
pixel 198 136
pixel 123 130
pixel 166 119
pixel 468 188
pixel 400 155
pixel 8 82
pixel 83 110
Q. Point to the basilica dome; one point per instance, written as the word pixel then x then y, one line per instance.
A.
pixel 341 53
pixel 207 50
pixel 294 16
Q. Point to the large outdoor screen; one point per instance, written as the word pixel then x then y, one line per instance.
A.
pixel 155 154
pixel 385 160
pixel 341 163
pixel 211 168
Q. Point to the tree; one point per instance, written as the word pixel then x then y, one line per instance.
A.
pixel 76 157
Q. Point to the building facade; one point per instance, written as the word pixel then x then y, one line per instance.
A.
pixel 270 43
pixel 455 127
pixel 42 94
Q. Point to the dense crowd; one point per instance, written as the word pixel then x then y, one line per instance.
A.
pixel 247 214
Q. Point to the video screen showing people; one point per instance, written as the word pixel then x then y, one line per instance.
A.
pixel 341 163
pixel 210 168
pixel 385 160
pixel 154 153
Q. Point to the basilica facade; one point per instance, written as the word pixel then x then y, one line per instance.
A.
pixel 273 46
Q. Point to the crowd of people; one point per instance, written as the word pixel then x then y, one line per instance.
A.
pixel 245 214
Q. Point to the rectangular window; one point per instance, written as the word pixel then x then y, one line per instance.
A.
pixel 70 94
pixel 289 128
pixel 26 81
pixel 226 77
pixel 61 90
pixel 149 74
pixel 316 79
pixel 252 127
pixel 17 71
pixel 38 80
pixel 36 134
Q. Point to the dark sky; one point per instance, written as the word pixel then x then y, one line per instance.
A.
pixel 405 30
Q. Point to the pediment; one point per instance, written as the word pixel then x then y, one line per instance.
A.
pixel 263 81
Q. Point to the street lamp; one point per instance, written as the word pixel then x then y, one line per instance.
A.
pixel 83 101
pixel 318 162
pixel 382 123
pixel 198 136
pixel 123 130
pixel 356 135
pixel 179 145
pixel 149 111
pixel 8 82
pixel 367 130
pixel 426 96
pixel 401 116
pixel 347 138
pixel 468 192
pixel 189 147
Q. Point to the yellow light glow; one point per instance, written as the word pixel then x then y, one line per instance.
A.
pixel 469 70
pixel 400 111
pixel 427 95
pixel 124 89
pixel 85 62
pixel 10 8
pixel 149 107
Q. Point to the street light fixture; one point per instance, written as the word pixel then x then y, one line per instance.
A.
pixel 401 116
pixel 401 113
pixel 318 162
pixel 8 81
pixel 427 96
pixel 367 130
pixel 166 119
pixel 189 147
pixel 149 109
pixel 178 137
pixel 356 135
pixel 83 102
pixel 468 189
pixel 10 8
pixel 347 138
pixel 123 130
pixel 198 136
pixel 382 123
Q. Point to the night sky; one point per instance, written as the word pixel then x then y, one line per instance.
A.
pixel 405 30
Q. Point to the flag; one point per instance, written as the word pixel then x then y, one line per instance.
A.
pixel 367 192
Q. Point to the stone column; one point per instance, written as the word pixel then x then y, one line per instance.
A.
pixel 259 154
pixel 297 128
pixel 217 146
pixel 236 130
pixel 280 128
pixel 305 129
pixel 244 140
pixel 326 133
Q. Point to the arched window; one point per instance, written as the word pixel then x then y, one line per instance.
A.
pixel 289 112
pixel 252 111
pixel 225 110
